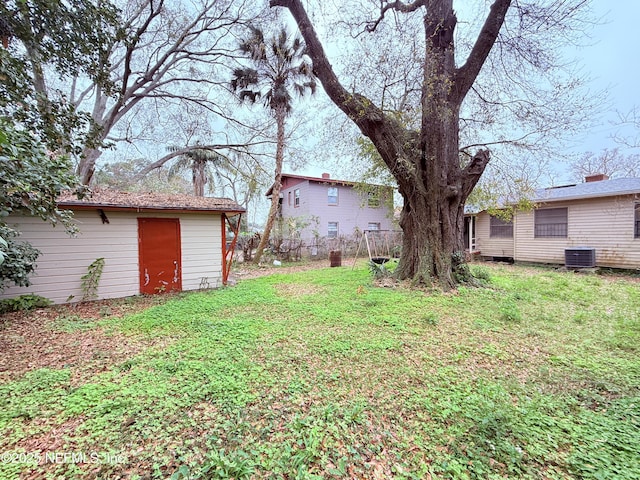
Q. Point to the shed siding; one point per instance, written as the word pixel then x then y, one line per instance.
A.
pixel 64 259
pixel 491 247
pixel 201 251
pixel 605 224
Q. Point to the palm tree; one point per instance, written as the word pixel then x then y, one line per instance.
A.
pixel 199 161
pixel 280 68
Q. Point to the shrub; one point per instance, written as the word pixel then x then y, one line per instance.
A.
pixel 378 270
pixel 23 302
pixel 510 311
pixel 481 273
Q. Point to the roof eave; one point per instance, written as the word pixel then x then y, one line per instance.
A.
pixel 148 209
pixel 585 197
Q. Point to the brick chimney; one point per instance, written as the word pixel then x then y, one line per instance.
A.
pixel 596 177
pixel 326 176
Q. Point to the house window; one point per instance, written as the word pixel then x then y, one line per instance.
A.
pixel 289 199
pixel 550 223
pixel 296 197
pixel 332 195
pixel 373 226
pixel 636 229
pixel 373 199
pixel 500 228
pixel 332 231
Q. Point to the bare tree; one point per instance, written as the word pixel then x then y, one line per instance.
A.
pixel 612 163
pixel 628 135
pixel 168 53
pixel 424 156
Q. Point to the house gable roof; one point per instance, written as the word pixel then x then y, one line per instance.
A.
pixel 580 191
pixel 321 180
pixel 148 202
pixel 603 188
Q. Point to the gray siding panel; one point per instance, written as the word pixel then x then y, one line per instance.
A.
pixel 605 224
pixel 491 247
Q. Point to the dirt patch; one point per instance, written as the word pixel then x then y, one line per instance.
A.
pixel 66 336
pixel 243 272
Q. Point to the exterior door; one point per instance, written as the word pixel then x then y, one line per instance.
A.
pixel 470 233
pixel 159 255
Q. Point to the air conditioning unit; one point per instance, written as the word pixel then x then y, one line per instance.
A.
pixel 580 257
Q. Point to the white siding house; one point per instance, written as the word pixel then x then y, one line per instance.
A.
pixel 111 227
pixel 603 215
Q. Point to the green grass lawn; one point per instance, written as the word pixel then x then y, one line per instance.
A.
pixel 320 374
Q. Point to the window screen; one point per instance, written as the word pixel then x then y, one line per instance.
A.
pixel 550 223
pixel 500 228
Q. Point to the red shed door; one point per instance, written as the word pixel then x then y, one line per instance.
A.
pixel 160 256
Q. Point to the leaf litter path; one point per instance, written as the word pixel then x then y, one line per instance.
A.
pixel 64 336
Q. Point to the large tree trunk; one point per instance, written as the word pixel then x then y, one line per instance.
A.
pixel 432 215
pixel 280 114
pixel 432 234
pixel 427 164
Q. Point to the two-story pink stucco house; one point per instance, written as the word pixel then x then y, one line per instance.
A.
pixel 334 208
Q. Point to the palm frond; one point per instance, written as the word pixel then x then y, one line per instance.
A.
pixel 282 68
pixel 244 78
pixel 251 96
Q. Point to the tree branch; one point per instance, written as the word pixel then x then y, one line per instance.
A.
pixel 466 75
pixel 398 6
pixel 472 172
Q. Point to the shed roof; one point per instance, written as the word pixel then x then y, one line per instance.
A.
pixel 148 201
pixel 603 188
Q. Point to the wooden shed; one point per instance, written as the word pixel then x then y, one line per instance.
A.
pixel 150 243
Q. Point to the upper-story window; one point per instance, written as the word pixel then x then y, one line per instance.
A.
pixel 332 195
pixel 550 222
pixel 296 197
pixel 373 199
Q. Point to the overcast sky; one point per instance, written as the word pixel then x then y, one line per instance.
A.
pixel 613 61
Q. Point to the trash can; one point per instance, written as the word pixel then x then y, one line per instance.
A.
pixel 335 258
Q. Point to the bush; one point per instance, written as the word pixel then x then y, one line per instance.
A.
pixel 378 270
pixel 481 273
pixel 24 302
pixel 382 270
